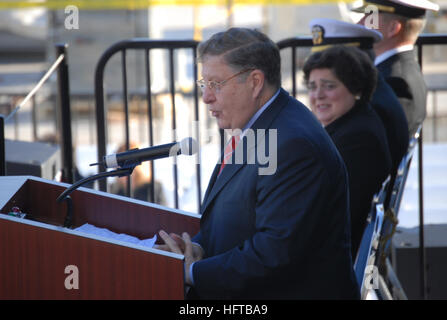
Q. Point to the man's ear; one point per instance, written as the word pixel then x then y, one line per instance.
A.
pixel 394 28
pixel 257 79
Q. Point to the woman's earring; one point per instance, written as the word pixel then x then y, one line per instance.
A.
pixel 357 97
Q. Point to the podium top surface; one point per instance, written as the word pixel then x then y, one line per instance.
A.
pixel 89 236
pixel 37 198
pixel 10 184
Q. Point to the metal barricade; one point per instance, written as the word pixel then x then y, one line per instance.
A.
pixel 146 45
pixel 64 120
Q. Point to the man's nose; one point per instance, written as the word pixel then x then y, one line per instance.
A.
pixel 208 95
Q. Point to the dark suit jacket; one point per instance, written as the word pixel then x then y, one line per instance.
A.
pixel 283 235
pixel 361 139
pixel 384 101
pixel 403 74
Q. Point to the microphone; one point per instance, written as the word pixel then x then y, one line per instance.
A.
pixel 134 157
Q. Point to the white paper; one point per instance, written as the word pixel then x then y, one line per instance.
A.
pixel 103 232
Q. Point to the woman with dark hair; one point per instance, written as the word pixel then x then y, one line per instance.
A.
pixel 340 82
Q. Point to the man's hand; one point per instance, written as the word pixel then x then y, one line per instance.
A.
pixel 182 245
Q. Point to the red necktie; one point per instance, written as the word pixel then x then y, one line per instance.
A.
pixel 229 148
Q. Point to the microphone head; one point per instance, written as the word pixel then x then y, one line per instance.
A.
pixel 188 146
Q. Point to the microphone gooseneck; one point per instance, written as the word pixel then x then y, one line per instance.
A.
pixel 66 194
pixel 124 163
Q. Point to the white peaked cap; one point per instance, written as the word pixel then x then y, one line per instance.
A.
pixel 420 4
pixel 336 31
pixel 406 8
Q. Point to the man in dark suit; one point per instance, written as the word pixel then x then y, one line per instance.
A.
pixel 268 231
pixel 400 23
pixel 384 101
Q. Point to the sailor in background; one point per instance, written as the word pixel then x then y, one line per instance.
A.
pixel 401 22
pixel 327 32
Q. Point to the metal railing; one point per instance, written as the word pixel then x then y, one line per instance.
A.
pixel 423 40
pixel 64 127
pixel 294 44
pixel 101 111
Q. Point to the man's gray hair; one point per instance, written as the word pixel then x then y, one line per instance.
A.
pixel 244 48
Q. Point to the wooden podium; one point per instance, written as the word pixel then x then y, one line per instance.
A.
pixel 39 257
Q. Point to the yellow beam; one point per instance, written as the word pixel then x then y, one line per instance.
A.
pixel 142 4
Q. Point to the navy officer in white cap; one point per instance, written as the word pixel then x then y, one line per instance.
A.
pixel 400 22
pixel 384 101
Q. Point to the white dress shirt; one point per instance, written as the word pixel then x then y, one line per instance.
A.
pixel 387 54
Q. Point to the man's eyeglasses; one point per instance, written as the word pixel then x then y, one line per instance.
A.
pixel 217 85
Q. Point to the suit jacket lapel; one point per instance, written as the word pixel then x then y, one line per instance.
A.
pixel 217 182
pixel 263 122
pixel 211 183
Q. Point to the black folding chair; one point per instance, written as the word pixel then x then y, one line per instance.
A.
pixel 365 267
pixel 402 174
pixel 390 287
